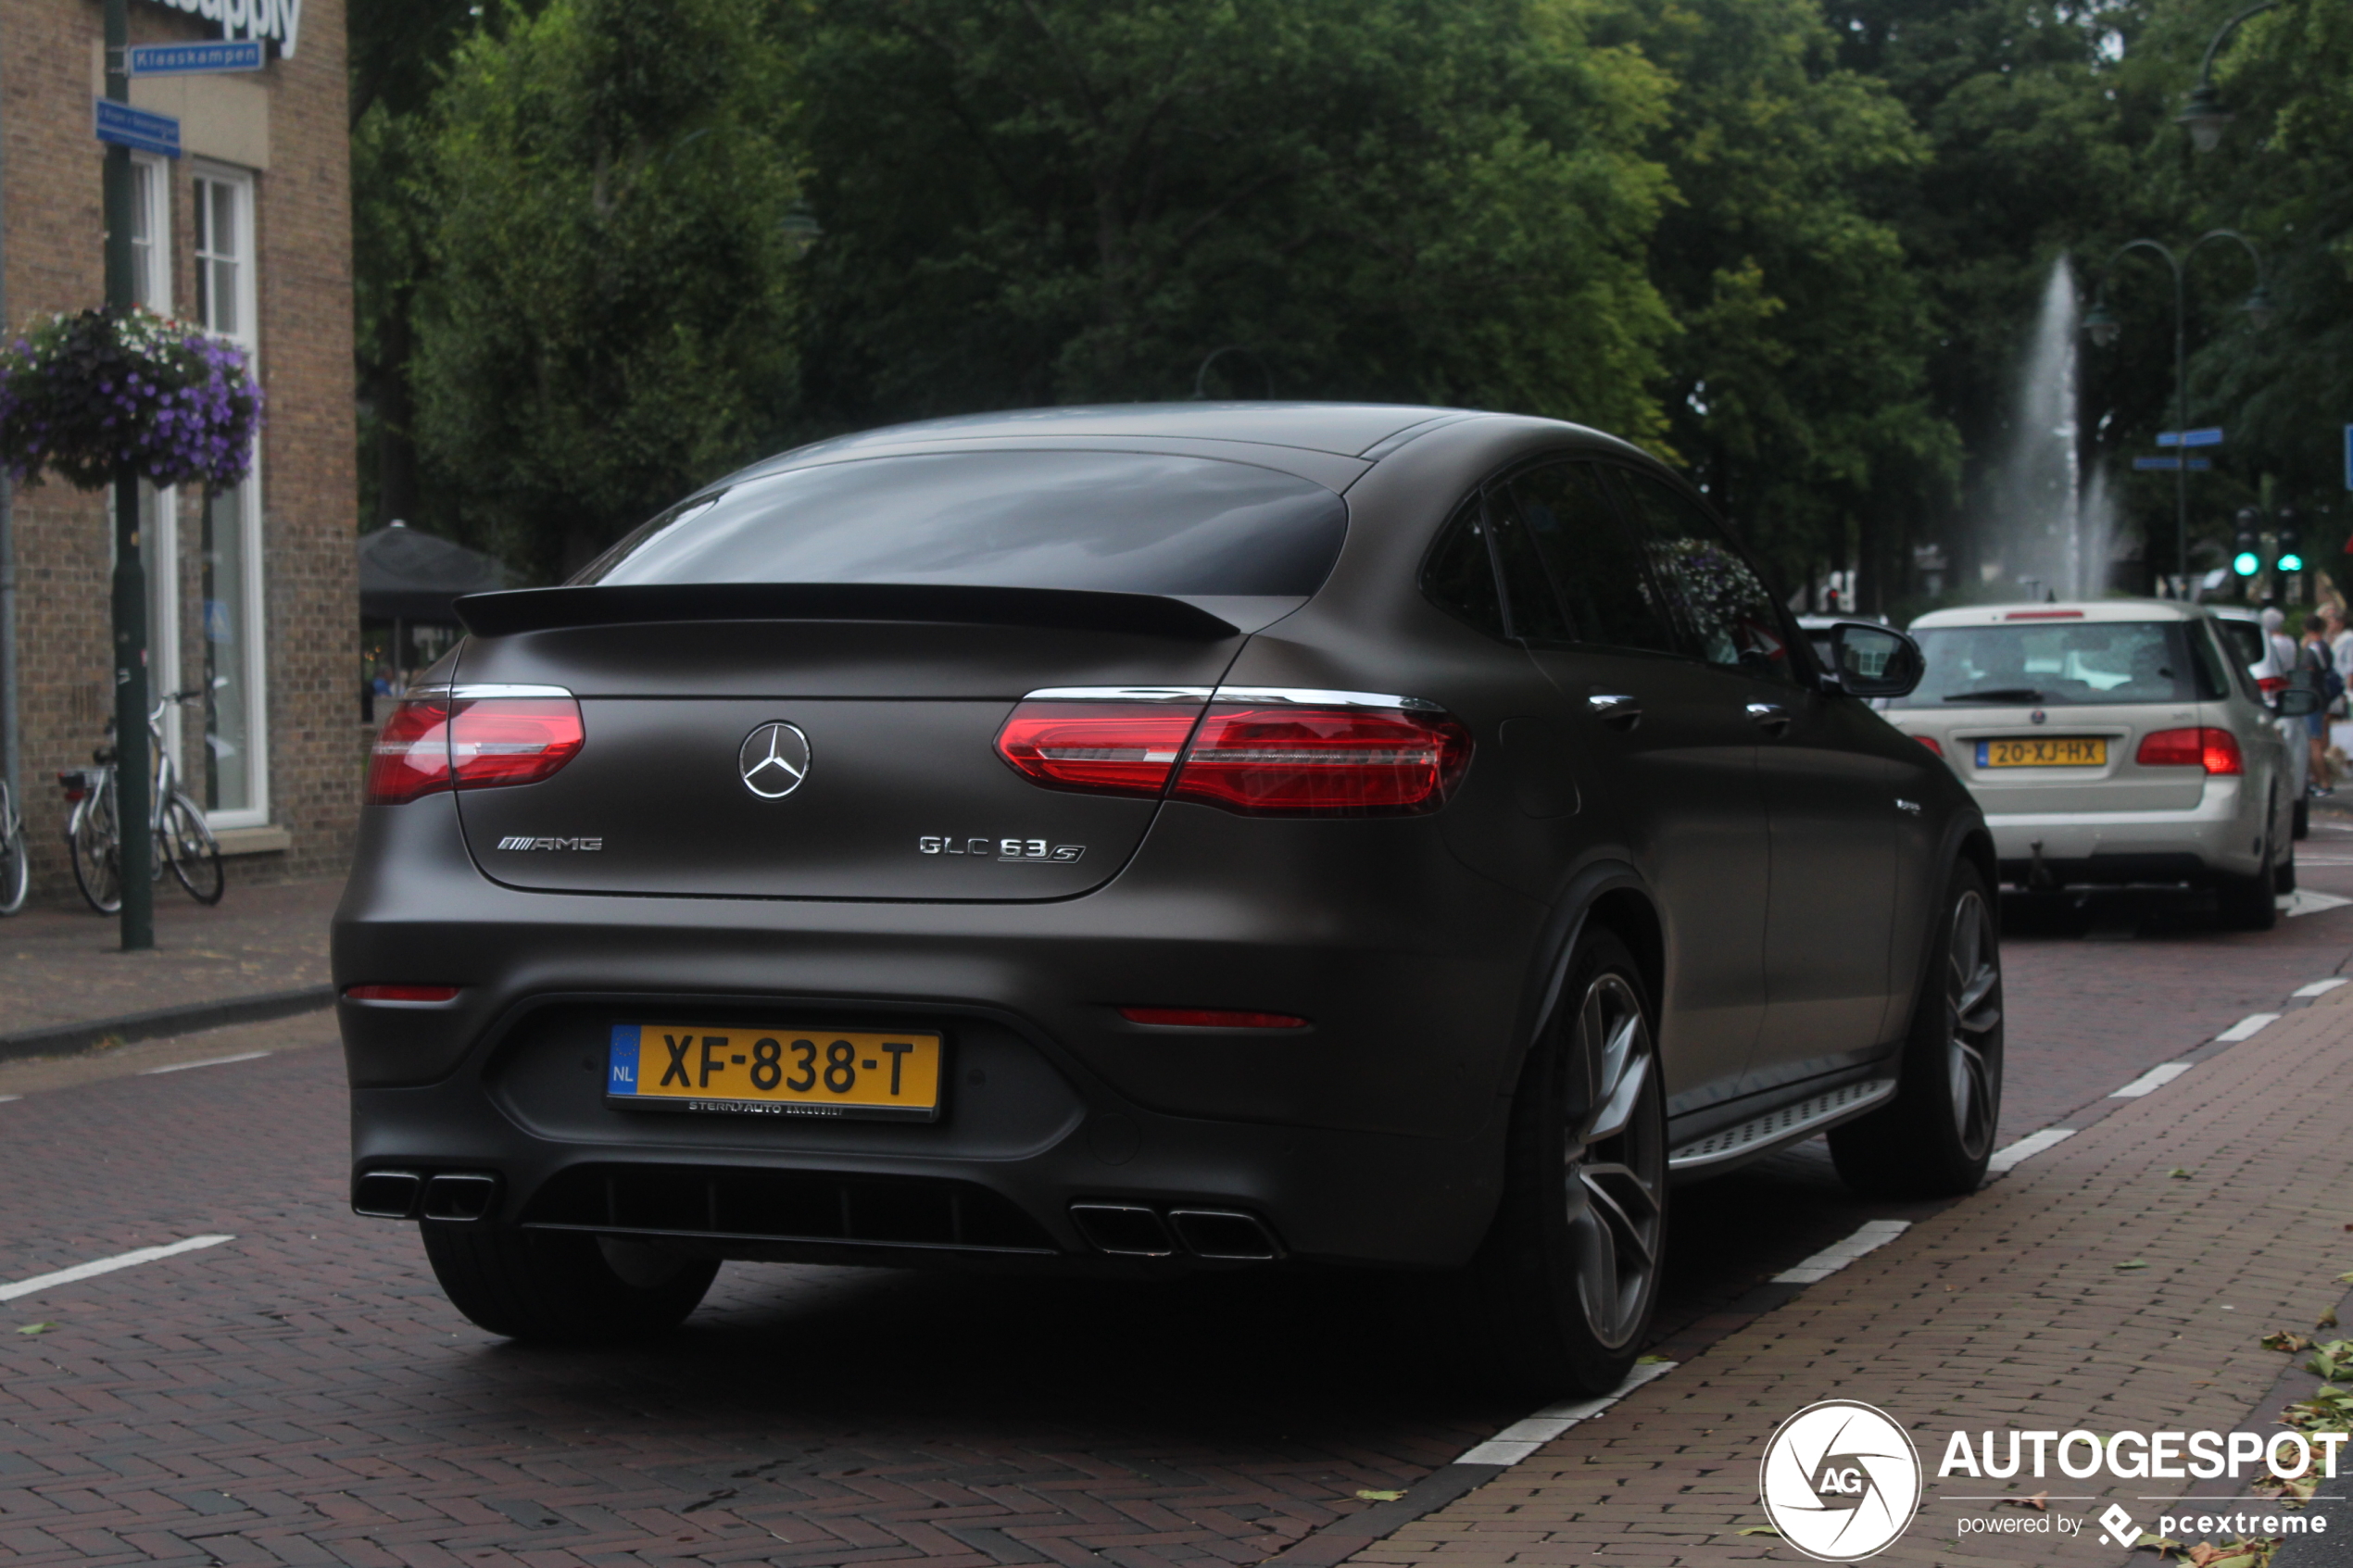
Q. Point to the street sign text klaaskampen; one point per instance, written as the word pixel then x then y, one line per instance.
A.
pixel 192 59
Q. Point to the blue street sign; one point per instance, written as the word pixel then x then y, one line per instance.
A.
pixel 2167 465
pixel 2210 436
pixel 137 129
pixel 188 59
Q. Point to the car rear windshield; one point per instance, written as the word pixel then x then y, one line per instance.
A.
pixel 1125 521
pixel 2053 663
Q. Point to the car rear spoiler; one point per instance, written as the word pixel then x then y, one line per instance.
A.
pixel 542 609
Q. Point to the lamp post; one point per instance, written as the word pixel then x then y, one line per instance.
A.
pixel 135 847
pixel 2101 325
pixel 2205 114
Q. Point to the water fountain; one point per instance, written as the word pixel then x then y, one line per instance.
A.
pixel 2047 525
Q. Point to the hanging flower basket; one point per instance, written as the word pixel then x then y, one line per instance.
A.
pixel 82 395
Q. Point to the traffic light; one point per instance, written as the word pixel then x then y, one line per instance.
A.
pixel 2287 548
pixel 2247 555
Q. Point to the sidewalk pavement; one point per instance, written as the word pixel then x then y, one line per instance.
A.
pixel 64 983
pixel 2087 1289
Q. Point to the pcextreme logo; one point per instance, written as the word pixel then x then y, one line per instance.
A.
pixel 1839 1480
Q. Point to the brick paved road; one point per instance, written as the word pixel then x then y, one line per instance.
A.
pixel 303 1394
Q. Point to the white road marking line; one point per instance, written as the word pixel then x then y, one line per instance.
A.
pixel 2319 987
pixel 2304 901
pixel 107 1265
pixel 2027 1149
pixel 1521 1438
pixel 2151 1082
pixel 6 1097
pixel 1873 1233
pixel 2248 1027
pixel 209 1061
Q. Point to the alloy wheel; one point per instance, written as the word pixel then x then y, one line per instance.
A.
pixel 1972 1014
pixel 1615 1162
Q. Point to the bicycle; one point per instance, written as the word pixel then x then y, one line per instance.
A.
pixel 15 855
pixel 181 838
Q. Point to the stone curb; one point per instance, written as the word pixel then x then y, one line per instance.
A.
pixel 69 1039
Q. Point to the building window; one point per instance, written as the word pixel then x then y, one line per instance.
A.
pixel 225 253
pixel 223 738
pixel 151 233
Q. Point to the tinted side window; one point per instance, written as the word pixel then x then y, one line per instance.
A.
pixel 1532 597
pixel 1460 578
pixel 1590 558
pixel 1725 610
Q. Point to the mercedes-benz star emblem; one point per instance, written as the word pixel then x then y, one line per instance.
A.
pixel 774 761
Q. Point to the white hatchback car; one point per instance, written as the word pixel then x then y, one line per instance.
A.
pixel 2116 743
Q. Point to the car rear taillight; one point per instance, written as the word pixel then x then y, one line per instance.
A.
pixel 1105 748
pixel 1211 1018
pixel 401 992
pixel 1276 756
pixel 2271 686
pixel 473 739
pixel 1323 761
pixel 1929 742
pixel 2215 750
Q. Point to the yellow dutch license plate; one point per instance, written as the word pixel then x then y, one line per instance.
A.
pixel 838 1073
pixel 2044 751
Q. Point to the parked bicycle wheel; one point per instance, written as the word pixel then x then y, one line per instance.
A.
pixel 97 855
pixel 187 842
pixel 15 858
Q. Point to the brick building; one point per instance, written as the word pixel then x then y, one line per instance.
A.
pixel 249 233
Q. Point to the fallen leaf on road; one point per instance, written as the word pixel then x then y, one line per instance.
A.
pixel 2178 1174
pixel 2039 1501
pixel 36 1328
pixel 1381 1497
pixel 2326 1320
pixel 2280 1340
pixel 1760 1530
pixel 2135 1263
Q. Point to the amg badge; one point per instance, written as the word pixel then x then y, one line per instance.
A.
pixel 523 841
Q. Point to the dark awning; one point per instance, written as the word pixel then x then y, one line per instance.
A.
pixel 406 574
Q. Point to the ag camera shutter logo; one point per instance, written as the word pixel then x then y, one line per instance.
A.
pixel 1841 1480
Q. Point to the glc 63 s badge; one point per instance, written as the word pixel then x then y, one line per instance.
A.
pixel 1032 851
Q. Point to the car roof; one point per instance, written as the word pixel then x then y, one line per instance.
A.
pixel 2065 610
pixel 1341 429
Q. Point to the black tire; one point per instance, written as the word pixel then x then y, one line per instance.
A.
pixel 16 868
pixel 1561 1294
pixel 96 855
pixel 2283 874
pixel 2303 819
pixel 2247 903
pixel 187 844
pixel 1933 1139
pixel 565 1288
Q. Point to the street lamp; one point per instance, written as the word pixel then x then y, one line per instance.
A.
pixel 2101 325
pixel 2205 115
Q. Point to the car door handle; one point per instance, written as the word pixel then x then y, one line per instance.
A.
pixel 1770 717
pixel 1619 709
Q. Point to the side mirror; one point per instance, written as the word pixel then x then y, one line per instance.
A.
pixel 2298 701
pixel 1869 660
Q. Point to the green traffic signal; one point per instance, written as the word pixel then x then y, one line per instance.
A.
pixel 2246 563
pixel 2291 562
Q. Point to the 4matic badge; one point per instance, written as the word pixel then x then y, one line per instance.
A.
pixel 1033 851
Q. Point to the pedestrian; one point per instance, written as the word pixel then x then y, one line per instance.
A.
pixel 2275 636
pixel 2316 659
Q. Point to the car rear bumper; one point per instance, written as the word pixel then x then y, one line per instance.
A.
pixel 1375 1136
pixel 2222 835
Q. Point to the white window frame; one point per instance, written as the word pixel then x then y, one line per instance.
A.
pixel 248 499
pixel 154 184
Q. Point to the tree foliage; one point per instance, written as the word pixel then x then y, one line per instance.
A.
pixel 606 322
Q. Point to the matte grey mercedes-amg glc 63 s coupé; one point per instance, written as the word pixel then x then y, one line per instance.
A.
pixel 1155 838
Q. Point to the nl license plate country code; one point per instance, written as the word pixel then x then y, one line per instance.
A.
pixel 776 1071
pixel 2045 751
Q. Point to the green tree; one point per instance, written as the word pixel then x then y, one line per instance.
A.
pixel 1797 388
pixel 607 321
pixel 1044 201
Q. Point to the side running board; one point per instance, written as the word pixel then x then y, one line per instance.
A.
pixel 1789 1125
